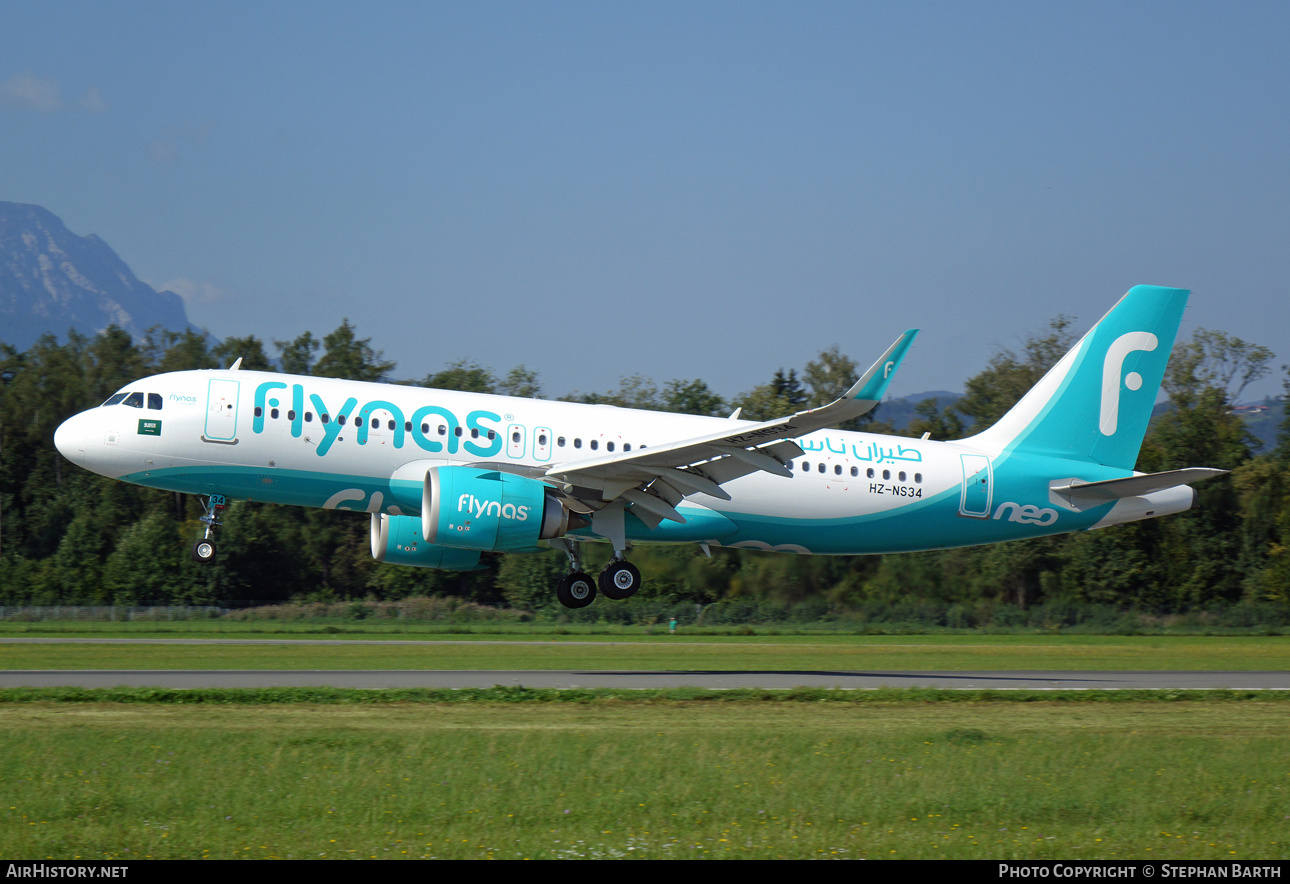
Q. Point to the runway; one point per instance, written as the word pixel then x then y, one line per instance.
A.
pixel 376 679
pixel 1056 680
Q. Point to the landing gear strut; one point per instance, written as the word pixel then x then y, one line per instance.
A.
pixel 204 549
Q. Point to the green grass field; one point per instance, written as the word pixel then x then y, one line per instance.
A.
pixel 616 778
pixel 795 652
pixel 889 774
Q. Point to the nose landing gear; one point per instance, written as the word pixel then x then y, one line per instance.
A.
pixel 204 549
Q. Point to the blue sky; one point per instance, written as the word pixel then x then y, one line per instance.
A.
pixel 677 190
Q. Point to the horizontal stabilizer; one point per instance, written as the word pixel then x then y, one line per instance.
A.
pixel 1079 494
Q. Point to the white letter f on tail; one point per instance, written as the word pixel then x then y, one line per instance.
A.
pixel 1119 350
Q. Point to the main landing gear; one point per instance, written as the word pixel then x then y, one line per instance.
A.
pixel 575 590
pixel 618 581
pixel 204 549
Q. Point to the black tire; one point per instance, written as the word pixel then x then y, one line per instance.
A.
pixel 575 590
pixel 619 580
pixel 204 551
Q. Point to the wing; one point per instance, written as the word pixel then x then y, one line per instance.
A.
pixel 654 480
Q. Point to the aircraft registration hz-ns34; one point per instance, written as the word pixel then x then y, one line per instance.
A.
pixel 451 477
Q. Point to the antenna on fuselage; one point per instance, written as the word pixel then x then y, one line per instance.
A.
pixel 236 365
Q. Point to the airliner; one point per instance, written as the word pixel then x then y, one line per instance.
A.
pixel 451 478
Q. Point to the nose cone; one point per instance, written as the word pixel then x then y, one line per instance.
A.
pixel 71 438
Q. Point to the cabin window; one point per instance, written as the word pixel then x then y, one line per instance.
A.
pixel 541 438
pixel 855 471
pixel 821 468
pixel 837 469
pixel 154 401
pixel 869 473
pixel 918 477
pixel 325 418
pixel 474 434
pixel 273 413
pixel 134 400
pixel 425 429
pixel 515 437
pixel 407 427
pixel 901 476
pixel 309 417
pixel 627 446
pixel 577 443
pixel 806 467
pixel 291 415
pixel 886 474
pixel 341 420
pixel 609 446
pixel 259 412
pixel 492 435
pixel 456 431
pixel 594 444
pixel 560 441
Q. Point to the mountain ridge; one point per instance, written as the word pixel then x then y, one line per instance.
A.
pixel 53 280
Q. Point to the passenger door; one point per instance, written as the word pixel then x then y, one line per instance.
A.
pixel 221 411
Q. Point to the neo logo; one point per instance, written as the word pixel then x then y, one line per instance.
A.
pixel 1026 514
pixel 1112 368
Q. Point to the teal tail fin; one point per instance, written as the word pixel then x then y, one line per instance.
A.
pixel 1094 404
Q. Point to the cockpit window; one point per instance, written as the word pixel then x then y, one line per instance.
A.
pixel 154 401
pixel 134 400
pixel 114 399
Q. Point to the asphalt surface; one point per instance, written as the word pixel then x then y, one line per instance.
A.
pixel 1056 680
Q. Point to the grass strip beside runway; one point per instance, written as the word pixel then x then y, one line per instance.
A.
pixel 910 774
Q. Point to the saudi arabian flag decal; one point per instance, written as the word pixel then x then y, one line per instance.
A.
pixel 149 428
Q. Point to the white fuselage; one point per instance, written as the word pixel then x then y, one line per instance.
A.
pixel 365 447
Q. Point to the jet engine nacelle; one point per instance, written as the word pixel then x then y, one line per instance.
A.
pixel 469 508
pixel 397 540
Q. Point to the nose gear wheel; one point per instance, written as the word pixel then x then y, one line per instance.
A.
pixel 204 549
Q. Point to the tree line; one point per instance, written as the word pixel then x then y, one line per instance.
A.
pixel 68 536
